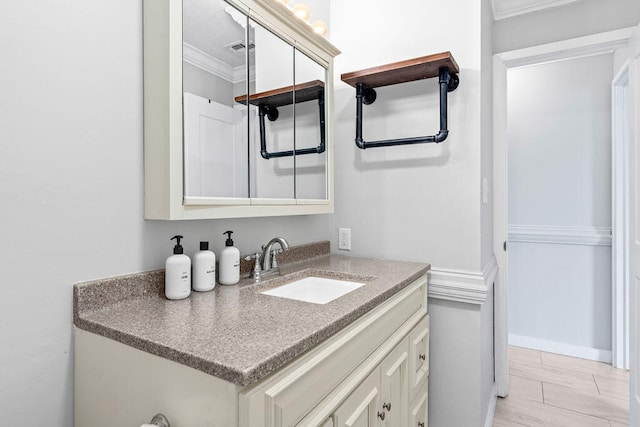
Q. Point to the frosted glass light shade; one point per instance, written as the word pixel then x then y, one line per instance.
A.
pixel 320 27
pixel 302 11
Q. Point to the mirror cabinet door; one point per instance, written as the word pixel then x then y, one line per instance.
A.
pixel 310 129
pixel 271 115
pixel 216 159
pixel 268 146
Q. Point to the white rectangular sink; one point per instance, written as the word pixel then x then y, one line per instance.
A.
pixel 317 290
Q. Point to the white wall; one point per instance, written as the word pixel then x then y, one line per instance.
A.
pixel 559 133
pixel 486 135
pixel 437 185
pixel 71 181
pixel 421 202
pixel 573 20
pixel 202 83
pixel 487 374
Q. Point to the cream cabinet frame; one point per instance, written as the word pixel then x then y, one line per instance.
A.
pixel 163 117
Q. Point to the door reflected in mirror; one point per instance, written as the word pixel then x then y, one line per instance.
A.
pixel 216 150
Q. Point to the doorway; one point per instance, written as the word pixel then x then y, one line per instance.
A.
pixel 560 51
pixel 559 206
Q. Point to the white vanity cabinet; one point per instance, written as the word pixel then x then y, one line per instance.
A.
pixel 373 372
pixel 381 399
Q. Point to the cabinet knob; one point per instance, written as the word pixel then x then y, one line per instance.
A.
pixel 386 406
pixel 159 420
pixel 420 424
pixel 422 357
pixel 381 415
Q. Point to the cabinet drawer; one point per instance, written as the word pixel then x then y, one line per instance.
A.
pixel 285 398
pixel 418 356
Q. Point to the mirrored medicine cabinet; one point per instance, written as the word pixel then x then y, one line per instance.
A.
pixel 237 117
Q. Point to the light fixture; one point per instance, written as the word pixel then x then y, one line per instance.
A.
pixel 284 2
pixel 320 27
pixel 302 11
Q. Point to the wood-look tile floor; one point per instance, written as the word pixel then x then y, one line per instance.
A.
pixel 548 389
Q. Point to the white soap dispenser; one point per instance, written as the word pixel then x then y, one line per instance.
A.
pixel 177 275
pixel 229 262
pixel 204 269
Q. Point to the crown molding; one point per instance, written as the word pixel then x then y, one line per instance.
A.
pixel 196 57
pixel 503 9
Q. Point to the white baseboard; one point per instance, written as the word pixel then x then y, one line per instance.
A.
pixel 589 353
pixel 491 412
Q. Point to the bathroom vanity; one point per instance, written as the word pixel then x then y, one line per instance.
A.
pixel 237 357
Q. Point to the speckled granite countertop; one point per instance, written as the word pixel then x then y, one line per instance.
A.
pixel 234 332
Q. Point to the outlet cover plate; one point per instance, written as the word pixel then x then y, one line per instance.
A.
pixel 344 239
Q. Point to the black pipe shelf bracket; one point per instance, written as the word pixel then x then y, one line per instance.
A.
pixel 268 103
pixel 441 65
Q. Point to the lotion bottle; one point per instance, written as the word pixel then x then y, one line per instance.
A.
pixel 229 262
pixel 204 269
pixel 177 278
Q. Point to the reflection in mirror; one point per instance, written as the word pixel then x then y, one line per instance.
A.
pixel 310 129
pixel 215 126
pixel 271 124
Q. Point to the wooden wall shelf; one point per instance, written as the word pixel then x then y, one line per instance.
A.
pixel 441 65
pixel 284 96
pixel 268 103
pixel 424 67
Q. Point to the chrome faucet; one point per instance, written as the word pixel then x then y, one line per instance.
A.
pixel 269 254
pixel 269 265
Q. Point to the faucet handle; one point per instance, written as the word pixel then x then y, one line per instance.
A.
pixel 256 256
pixel 274 260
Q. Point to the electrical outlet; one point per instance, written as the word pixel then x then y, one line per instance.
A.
pixel 344 239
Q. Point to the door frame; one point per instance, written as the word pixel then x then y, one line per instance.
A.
pixel 620 218
pixel 558 51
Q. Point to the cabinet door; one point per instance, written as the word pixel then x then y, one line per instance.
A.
pixel 362 407
pixel 419 414
pixel 394 385
pixel 418 356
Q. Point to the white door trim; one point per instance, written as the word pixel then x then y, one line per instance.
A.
pixel 634 230
pixel 567 49
pixel 620 218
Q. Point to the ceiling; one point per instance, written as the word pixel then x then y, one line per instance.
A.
pixel 507 8
pixel 210 29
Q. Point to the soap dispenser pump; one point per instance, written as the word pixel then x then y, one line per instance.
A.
pixel 177 276
pixel 229 262
pixel 204 269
